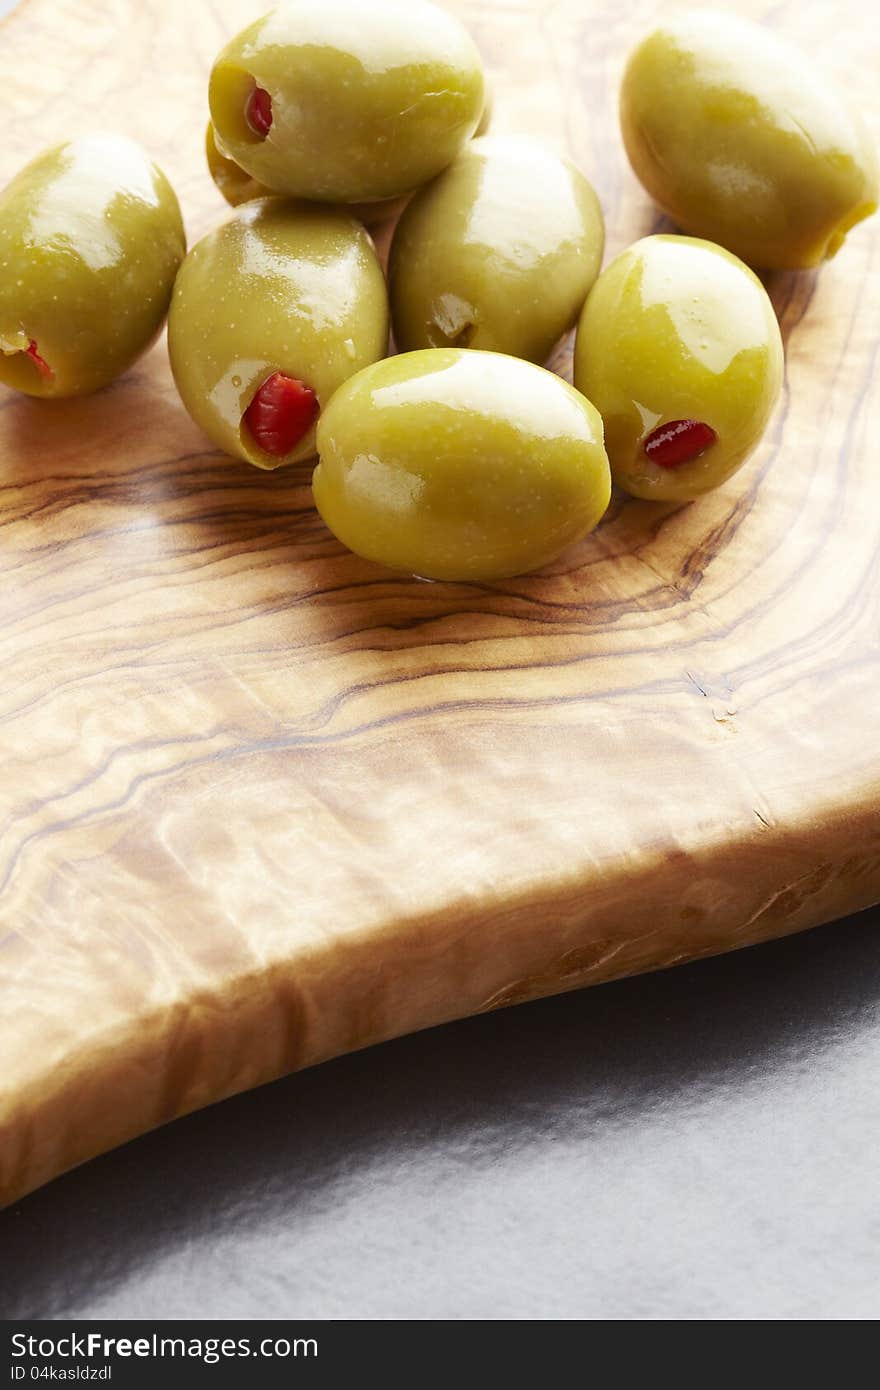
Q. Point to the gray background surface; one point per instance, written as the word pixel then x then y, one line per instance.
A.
pixel 701 1143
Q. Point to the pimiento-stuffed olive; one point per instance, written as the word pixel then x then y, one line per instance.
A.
pixel 742 140
pixel 238 187
pixel 346 102
pixel 464 465
pixel 91 238
pixel 271 313
pixel 679 349
pixel 496 253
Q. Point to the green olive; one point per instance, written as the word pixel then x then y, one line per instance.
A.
pixel 679 349
pixel 476 262
pixel 460 465
pixel 90 241
pixel 277 291
pixel 237 187
pixel 488 109
pixel 346 101
pixel 741 139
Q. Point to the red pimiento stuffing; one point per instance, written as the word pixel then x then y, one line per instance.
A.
pixel 281 413
pixel 678 442
pixel 43 366
pixel 258 112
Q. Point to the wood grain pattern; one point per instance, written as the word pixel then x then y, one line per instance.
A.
pixel 262 802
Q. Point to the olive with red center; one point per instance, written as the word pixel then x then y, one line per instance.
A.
pixel 347 102
pixel 237 186
pixel 679 349
pixel 91 238
pixel 272 312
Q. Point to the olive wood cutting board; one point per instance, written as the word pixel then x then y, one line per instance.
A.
pixel 262 802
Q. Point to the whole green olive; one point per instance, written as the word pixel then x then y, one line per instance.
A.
pixel 498 252
pixel 741 139
pixel 346 102
pixel 91 238
pixel 271 312
pixel 679 349
pixel 237 186
pixel 460 465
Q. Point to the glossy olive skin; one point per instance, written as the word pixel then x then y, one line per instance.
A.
pixel 741 140
pixel 678 329
pixel 460 465
pixel 368 100
pixel 497 253
pixel 232 182
pixel 237 187
pixel 90 241
pixel 278 288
